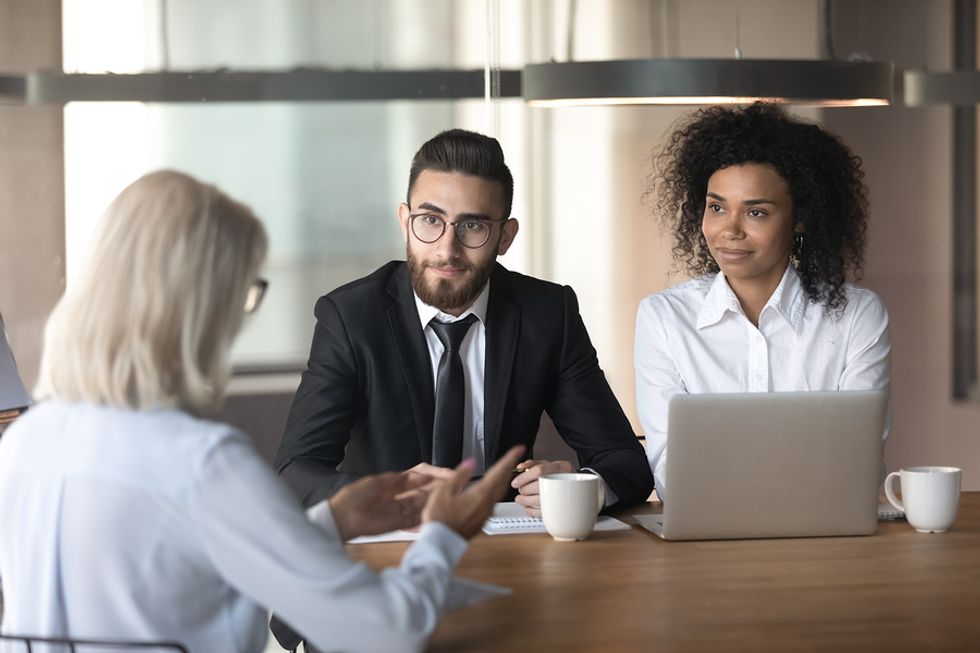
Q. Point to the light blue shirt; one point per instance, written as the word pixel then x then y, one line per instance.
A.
pixel 155 525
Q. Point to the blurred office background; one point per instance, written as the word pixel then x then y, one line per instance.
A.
pixel 327 176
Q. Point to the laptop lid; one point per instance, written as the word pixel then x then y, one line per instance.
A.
pixel 775 464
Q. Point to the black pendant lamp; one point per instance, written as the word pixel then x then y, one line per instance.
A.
pixel 826 83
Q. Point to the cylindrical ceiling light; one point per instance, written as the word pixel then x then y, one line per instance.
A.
pixel 960 88
pixel 826 83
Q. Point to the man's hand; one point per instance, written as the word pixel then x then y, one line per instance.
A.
pixel 378 504
pixel 431 473
pixel 465 510
pixel 526 482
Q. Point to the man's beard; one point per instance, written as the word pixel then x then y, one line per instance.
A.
pixel 443 293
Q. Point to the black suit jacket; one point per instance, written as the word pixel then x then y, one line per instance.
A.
pixel 366 402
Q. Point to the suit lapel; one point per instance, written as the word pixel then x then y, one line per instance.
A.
pixel 503 321
pixel 403 319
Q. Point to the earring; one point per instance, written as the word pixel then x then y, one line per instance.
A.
pixel 797 253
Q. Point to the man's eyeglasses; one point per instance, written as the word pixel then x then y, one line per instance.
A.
pixel 471 232
pixel 254 295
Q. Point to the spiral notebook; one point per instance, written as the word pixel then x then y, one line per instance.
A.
pixel 888 512
pixel 509 518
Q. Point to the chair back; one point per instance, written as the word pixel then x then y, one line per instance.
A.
pixel 76 645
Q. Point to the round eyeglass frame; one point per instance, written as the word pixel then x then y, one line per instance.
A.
pixel 455 226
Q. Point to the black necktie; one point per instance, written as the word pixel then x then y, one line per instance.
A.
pixel 447 427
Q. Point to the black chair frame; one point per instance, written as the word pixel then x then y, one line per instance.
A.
pixel 75 644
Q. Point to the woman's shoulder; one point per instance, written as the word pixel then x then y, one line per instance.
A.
pixel 863 311
pixel 864 301
pixel 194 435
pixel 151 429
pixel 684 295
pixel 160 450
pixel 172 421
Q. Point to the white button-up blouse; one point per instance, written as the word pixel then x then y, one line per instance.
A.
pixel 695 338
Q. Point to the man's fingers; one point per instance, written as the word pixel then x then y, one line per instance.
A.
pixel 415 481
pixel 422 492
pixel 442 474
pixel 411 508
pixel 538 469
pixel 531 504
pixel 431 471
pixel 394 482
pixel 426 482
pixel 529 476
pixel 397 485
pixel 530 489
pixel 529 500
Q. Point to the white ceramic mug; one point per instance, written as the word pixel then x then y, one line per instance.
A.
pixel 569 504
pixel 930 496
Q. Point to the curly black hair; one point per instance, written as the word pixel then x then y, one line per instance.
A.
pixel 824 177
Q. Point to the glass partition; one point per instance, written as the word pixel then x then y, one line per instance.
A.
pixel 325 177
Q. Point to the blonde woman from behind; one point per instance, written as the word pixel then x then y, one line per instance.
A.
pixel 125 513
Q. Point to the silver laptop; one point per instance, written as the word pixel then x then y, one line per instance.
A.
pixel 776 464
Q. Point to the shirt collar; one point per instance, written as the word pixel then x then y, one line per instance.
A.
pixel 478 308
pixel 788 301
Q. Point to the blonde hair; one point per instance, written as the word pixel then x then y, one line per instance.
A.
pixel 151 318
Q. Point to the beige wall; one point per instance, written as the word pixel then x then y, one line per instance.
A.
pixel 32 202
pixel 907 157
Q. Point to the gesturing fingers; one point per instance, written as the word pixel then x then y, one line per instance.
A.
pixel 444 473
pixel 395 483
pixel 414 481
pixel 495 480
pixel 461 475
pixel 465 510
pixel 410 506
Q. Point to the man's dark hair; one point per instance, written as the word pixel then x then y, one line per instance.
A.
pixel 468 153
pixel 825 180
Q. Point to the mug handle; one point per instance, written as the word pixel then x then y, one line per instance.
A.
pixel 890 493
pixel 601 496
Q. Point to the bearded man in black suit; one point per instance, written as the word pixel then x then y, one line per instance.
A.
pixel 393 384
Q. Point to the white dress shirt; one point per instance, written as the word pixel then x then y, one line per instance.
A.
pixel 155 525
pixel 695 338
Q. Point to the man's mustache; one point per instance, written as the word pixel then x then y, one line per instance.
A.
pixel 461 264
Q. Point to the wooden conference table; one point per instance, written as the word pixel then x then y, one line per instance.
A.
pixel 896 590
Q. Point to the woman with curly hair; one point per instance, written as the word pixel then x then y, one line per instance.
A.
pixel 768 214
